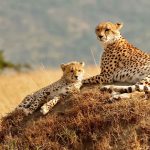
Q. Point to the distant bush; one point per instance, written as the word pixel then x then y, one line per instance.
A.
pixel 7 64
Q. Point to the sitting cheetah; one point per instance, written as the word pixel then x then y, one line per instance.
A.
pixel 50 95
pixel 121 61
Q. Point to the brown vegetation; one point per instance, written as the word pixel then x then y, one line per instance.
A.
pixel 81 121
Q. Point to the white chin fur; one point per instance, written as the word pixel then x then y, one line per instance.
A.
pixel 80 77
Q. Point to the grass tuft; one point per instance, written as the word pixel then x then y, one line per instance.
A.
pixel 81 121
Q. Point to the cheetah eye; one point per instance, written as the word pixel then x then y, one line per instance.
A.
pixel 79 70
pixel 106 30
pixel 97 29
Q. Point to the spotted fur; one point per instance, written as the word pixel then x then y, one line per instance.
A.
pixel 121 61
pixel 50 95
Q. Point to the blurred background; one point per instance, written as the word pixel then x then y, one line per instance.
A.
pixel 49 32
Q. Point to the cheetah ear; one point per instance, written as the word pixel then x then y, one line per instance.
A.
pixel 82 64
pixel 119 25
pixel 63 67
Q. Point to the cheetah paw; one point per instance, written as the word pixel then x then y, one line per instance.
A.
pixel 112 100
pixel 44 110
pixel 26 111
pixel 108 89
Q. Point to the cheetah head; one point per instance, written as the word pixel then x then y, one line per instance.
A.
pixel 73 71
pixel 108 32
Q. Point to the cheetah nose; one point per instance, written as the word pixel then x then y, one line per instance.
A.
pixel 100 36
pixel 76 77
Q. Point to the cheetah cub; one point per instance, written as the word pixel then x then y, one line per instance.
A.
pixel 50 95
pixel 121 61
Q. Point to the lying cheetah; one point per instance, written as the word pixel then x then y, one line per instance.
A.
pixel 121 61
pixel 50 95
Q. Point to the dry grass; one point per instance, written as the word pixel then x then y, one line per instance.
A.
pixel 82 121
pixel 13 88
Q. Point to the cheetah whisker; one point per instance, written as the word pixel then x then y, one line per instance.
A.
pixel 87 74
pixel 94 60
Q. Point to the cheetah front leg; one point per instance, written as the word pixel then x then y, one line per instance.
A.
pixel 25 104
pixel 49 105
pixel 34 105
pixel 103 78
pixel 124 92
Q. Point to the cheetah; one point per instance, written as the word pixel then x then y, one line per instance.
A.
pixel 120 61
pixel 50 95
